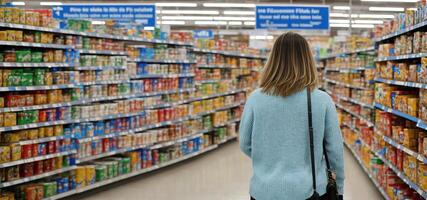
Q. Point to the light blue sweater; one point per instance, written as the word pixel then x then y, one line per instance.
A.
pixel 274 134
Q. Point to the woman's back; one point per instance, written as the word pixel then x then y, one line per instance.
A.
pixel 274 133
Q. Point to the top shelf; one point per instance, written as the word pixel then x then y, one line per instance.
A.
pixel 368 49
pixel 401 32
pixel 107 36
pixel 228 53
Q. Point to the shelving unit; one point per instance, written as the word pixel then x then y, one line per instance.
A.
pixel 182 89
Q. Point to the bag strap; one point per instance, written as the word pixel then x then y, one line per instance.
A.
pixel 328 166
pixel 310 131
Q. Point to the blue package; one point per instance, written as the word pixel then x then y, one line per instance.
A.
pixel 141 69
pixel 90 130
pixel 99 128
pixel 77 131
pixel 65 184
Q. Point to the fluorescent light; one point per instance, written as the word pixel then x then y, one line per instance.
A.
pixel 414 9
pixel 210 22
pixel 149 28
pixel 194 12
pixel 343 15
pixel 173 22
pixel 234 18
pixel 187 17
pixel 375 16
pixel 368 22
pixel 339 21
pixel 238 12
pixel 235 23
pixel 249 23
pixel 18 3
pixel 230 5
pixel 98 22
pixel 261 37
pixel 176 4
pixel 391 9
pixel 341 7
pixel 50 3
pixel 363 26
pixel 394 1
pixel 340 25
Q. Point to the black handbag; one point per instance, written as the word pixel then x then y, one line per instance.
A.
pixel 331 188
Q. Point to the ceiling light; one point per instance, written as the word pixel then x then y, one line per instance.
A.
pixel 391 9
pixel 340 25
pixel 173 22
pixel 235 23
pixel 341 7
pixel 394 1
pixel 187 18
pixel 249 23
pixel 270 37
pixel 18 3
pixel 230 5
pixel 238 12
pixel 343 15
pixel 194 12
pixel 210 22
pixel 339 21
pixel 98 22
pixel 49 3
pixel 176 4
pixel 149 28
pixel 261 37
pixel 368 21
pixel 414 9
pixel 363 26
pixel 235 18
pixel 375 16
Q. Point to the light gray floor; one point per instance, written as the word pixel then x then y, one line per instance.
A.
pixel 220 175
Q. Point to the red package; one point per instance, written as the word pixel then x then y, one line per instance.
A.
pixel 35 150
pixel 47 165
pixel 38 167
pixel 105 145
pixel 42 116
pixel 26 151
pixel 160 115
pixel 27 170
pixel 51 147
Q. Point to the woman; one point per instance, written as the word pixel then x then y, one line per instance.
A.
pixel 274 127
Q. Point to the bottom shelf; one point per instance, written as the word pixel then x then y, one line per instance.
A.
pixel 139 172
pixel 377 185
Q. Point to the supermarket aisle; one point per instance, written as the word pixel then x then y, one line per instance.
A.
pixel 219 175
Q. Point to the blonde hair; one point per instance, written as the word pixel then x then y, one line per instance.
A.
pixel 290 67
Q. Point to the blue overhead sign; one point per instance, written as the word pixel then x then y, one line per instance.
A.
pixel 292 17
pixel 143 13
pixel 203 34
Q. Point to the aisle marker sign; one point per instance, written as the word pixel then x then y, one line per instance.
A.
pixel 292 17
pixel 143 13
pixel 203 34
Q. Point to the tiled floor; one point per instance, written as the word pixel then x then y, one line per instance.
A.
pixel 219 175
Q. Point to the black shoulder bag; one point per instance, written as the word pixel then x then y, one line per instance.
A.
pixel 331 188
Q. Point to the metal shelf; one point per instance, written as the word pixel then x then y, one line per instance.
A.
pixel 37 65
pixel 165 61
pixel 368 123
pixel 402 83
pixel 106 36
pixel 401 57
pixel 102 52
pixel 38 158
pixel 355 101
pixel 36 177
pixel 401 32
pixel 420 123
pixel 228 53
pixel 37 45
pixel 345 84
pixel 88 68
pixel 162 76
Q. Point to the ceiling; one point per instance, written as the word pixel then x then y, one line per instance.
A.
pixel 246 21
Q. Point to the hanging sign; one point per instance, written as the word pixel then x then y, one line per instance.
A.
pixel 292 17
pixel 143 13
pixel 203 34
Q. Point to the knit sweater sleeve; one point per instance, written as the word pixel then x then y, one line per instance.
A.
pixel 246 125
pixel 334 144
